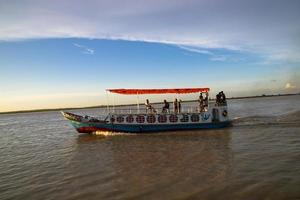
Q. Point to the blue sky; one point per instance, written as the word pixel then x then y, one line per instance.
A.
pixel 64 54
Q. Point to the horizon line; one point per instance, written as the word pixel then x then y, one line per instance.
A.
pixel 132 104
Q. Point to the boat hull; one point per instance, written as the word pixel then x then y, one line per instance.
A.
pixel 136 128
pixel 83 125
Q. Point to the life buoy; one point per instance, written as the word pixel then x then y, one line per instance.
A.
pixel 112 119
pixel 162 118
pixel 225 113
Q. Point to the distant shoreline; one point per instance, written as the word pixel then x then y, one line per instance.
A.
pixel 104 106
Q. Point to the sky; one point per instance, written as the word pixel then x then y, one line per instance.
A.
pixel 65 53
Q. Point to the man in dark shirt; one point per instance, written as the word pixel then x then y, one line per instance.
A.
pixel 175 104
pixel 218 99
pixel 223 98
pixel 201 103
pixel 179 106
pixel 206 101
pixel 166 107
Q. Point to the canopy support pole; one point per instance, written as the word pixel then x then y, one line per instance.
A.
pixel 114 103
pixel 107 102
pixel 138 103
pixel 207 100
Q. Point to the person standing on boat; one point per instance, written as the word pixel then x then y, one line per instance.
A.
pixel 206 101
pixel 201 102
pixel 149 107
pixel 179 106
pixel 223 98
pixel 218 99
pixel 175 104
pixel 166 107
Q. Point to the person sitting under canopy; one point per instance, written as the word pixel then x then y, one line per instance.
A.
pixel 149 107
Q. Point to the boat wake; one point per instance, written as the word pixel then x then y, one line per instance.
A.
pixel 288 119
pixel 109 133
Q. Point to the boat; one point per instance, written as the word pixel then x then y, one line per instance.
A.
pixel 142 120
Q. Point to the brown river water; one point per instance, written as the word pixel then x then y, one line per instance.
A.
pixel 42 157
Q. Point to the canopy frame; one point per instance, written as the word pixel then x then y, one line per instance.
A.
pixel 138 92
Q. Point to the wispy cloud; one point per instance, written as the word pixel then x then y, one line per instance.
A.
pixel 219 58
pixel 85 49
pixel 195 50
pixel 211 55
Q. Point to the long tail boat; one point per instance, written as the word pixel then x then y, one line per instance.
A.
pixel 143 120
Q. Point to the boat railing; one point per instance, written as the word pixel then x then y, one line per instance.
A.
pixel 157 109
pixel 185 109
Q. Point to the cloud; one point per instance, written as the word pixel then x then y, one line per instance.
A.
pixel 269 28
pixel 219 58
pixel 213 56
pixel 289 86
pixel 212 53
pixel 195 50
pixel 84 49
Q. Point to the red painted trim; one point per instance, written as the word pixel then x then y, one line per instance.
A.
pixel 158 91
pixel 90 129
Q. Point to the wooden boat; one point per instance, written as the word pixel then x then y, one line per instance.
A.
pixel 143 120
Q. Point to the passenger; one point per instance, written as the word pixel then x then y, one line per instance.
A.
pixel 166 107
pixel 201 103
pixel 223 98
pixel 206 101
pixel 175 104
pixel 218 99
pixel 179 106
pixel 149 107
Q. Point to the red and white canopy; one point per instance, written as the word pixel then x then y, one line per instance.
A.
pixel 158 91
